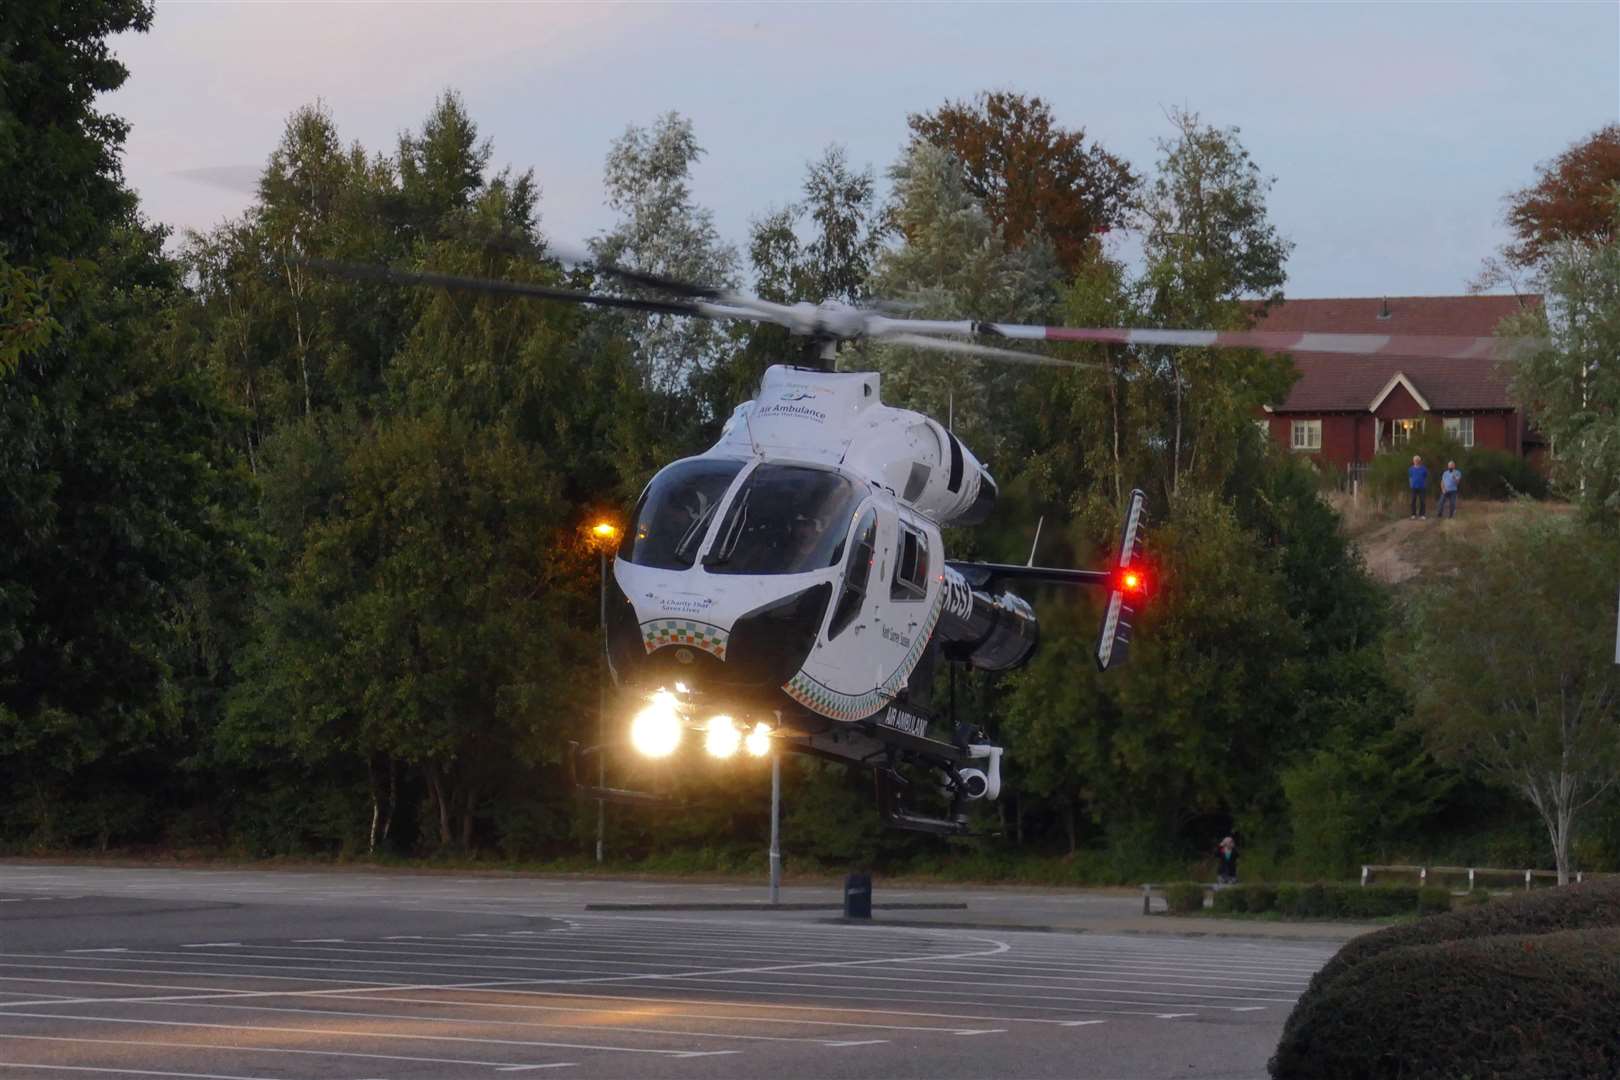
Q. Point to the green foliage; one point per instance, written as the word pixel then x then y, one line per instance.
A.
pixel 1542 724
pixel 1571 907
pixel 1259 898
pixel 1231 901
pixel 1486 473
pixel 1569 386
pixel 1523 1006
pixel 1185 898
pixel 61 187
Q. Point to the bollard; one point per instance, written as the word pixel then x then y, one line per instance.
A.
pixel 858 896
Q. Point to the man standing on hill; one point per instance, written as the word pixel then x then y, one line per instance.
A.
pixel 1448 489
pixel 1418 477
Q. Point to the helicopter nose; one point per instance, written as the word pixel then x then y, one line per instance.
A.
pixel 760 652
pixel 771 643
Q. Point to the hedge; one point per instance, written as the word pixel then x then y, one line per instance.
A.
pixel 1332 901
pixel 1184 898
pixel 1521 1006
pixel 1570 907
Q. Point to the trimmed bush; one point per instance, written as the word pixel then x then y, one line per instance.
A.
pixel 1288 898
pixel 1572 907
pixel 1433 900
pixel 1522 1006
pixel 1261 897
pixel 1184 898
pixel 1230 901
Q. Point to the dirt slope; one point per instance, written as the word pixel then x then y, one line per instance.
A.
pixel 1397 549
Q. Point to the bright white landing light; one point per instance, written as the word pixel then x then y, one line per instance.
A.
pixel 723 738
pixel 656 730
pixel 759 740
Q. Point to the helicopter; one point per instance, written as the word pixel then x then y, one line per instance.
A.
pixel 787 589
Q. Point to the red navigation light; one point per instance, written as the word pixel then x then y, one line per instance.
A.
pixel 1133 582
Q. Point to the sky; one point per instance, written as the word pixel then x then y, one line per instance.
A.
pixel 1393 131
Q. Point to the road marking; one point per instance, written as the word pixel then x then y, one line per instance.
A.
pixel 503 1023
pixel 982 1031
pixel 318 941
pixel 1080 1023
pixel 1172 1016
pixel 96 950
pixel 857 1042
pixel 215 1047
pixel 375 1035
pixel 209 945
pixel 129 1072
pixel 1249 1008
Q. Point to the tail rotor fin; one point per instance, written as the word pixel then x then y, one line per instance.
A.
pixel 1127 589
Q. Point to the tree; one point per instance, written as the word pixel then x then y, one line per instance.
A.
pixel 1570 386
pixel 1210 250
pixel 1511 668
pixel 954 264
pixel 663 231
pixel 837 262
pixel 1033 177
pixel 61 185
pixel 1570 200
pixel 123 507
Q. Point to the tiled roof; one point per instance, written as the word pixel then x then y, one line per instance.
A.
pixel 1337 381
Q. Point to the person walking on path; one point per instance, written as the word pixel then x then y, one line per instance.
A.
pixel 1226 869
pixel 1418 477
pixel 1448 489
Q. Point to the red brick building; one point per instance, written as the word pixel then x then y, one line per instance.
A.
pixel 1345 408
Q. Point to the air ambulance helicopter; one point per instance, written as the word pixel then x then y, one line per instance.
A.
pixel 788 588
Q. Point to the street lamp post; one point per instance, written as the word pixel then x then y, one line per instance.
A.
pixel 605 533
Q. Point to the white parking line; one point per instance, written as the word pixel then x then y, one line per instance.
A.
pixel 380 1036
pixel 129 1072
pixel 214 1048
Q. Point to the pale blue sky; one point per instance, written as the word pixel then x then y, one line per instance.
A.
pixel 1393 130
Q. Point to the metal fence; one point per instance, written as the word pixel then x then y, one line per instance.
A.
pixel 1472 873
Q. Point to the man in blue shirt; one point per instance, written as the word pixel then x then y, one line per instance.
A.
pixel 1448 488
pixel 1418 477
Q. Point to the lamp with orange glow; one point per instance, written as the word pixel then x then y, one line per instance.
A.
pixel 605 532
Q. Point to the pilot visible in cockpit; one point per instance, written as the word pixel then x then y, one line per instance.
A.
pixel 804 539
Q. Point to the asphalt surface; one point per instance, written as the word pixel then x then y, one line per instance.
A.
pixel 367 975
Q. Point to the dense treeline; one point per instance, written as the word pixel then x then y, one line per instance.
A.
pixel 301 564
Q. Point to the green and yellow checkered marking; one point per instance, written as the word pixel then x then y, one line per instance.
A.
pixel 699 635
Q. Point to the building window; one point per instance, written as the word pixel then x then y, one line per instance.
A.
pixel 1401 431
pixel 1307 435
pixel 1461 428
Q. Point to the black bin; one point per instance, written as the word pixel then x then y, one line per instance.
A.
pixel 858 896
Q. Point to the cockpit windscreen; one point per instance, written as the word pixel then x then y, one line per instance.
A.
pixel 785 519
pixel 668 524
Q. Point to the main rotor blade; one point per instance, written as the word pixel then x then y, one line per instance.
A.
pixel 968 348
pixel 391 276
pixel 1406 346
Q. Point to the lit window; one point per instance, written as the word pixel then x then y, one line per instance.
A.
pixel 1401 431
pixel 1307 435
pixel 1461 428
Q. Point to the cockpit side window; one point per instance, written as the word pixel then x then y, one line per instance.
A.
pixel 672 517
pixel 910 566
pixel 857 573
pixel 784 519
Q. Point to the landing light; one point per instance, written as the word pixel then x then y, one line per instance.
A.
pixel 723 738
pixel 656 730
pixel 759 740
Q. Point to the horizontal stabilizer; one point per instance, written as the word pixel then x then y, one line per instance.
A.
pixel 981 574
